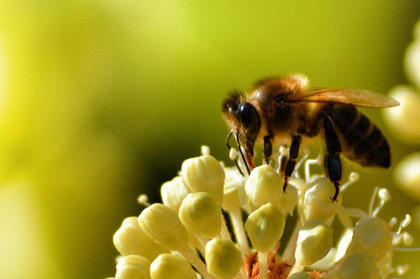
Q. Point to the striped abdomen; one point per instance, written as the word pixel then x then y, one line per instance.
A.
pixel 360 139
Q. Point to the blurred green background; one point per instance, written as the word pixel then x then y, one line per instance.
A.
pixel 102 100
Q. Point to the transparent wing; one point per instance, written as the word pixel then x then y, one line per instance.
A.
pixel 361 98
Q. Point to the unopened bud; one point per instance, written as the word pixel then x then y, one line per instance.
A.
pixel 162 224
pixel 407 173
pixel 288 200
pixel 318 202
pixel 412 61
pixel 358 266
pixel 173 192
pixel 314 241
pixel 403 119
pixel 170 266
pixel 265 227
pixel 133 267
pixel 131 239
pixel 200 213
pixel 234 190
pixel 204 174
pixel 264 185
pixel 371 236
pixel 223 258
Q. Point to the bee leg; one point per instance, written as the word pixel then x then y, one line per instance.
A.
pixel 268 149
pixel 228 146
pixel 332 161
pixel 291 163
pixel 242 154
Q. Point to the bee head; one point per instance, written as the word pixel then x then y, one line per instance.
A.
pixel 243 117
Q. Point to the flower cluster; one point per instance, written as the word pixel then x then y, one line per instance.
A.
pixel 216 223
pixel 404 121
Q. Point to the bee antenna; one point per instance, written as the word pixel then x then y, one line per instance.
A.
pixel 228 146
pixel 242 154
pixel 235 94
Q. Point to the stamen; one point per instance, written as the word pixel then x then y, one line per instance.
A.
pixel 384 197
pixel 407 221
pixel 233 154
pixel 308 163
pixel 353 177
pixel 299 164
pixel 205 150
pixel 143 200
pixel 407 239
pixel 402 269
pixel 372 201
pixel 284 151
pixel 392 222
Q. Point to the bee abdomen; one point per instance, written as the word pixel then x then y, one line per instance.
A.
pixel 361 140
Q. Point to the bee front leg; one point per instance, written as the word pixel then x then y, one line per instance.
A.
pixel 268 149
pixel 291 162
pixel 332 161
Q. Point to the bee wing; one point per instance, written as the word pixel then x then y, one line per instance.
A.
pixel 361 98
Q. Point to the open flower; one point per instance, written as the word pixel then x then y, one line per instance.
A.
pixel 188 236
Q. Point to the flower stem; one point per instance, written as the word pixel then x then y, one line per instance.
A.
pixel 263 265
pixel 225 234
pixel 238 229
pixel 192 257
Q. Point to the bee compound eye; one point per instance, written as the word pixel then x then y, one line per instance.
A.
pixel 248 116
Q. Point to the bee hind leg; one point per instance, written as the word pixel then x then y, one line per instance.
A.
pixel 332 161
pixel 291 162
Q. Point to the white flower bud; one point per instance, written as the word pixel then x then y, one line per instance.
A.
pixel 173 192
pixel 264 185
pixel 403 119
pixel 407 175
pixel 300 275
pixel 265 227
pixel 358 266
pixel 133 267
pixel 234 190
pixel 200 213
pixel 162 224
pixel 131 239
pixel 412 62
pixel 223 258
pixel 288 200
pixel 170 266
pixel 204 174
pixel 318 202
pixel 371 236
pixel 314 241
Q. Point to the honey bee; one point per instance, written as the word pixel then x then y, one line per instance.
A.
pixel 283 111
